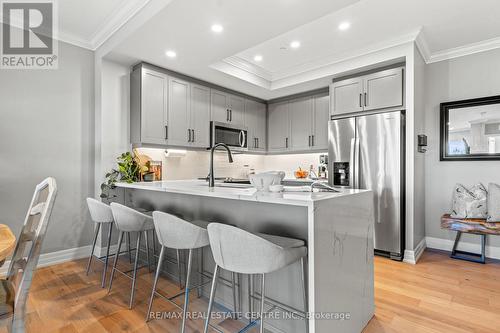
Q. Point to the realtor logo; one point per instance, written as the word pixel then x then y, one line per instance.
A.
pixel 28 35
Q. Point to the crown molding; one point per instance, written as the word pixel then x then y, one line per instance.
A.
pixel 483 46
pixel 115 21
pixel 247 66
pixel 423 46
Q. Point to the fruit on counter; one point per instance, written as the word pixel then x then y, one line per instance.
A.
pixel 301 174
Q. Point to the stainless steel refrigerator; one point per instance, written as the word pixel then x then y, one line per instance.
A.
pixel 367 152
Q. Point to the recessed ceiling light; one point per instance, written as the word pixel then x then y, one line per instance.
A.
pixel 295 44
pixel 217 28
pixel 258 58
pixel 344 25
pixel 171 54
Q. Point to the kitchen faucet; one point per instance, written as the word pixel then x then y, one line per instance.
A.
pixel 211 179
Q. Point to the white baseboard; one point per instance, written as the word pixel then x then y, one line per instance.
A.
pixel 447 245
pixel 412 256
pixel 53 258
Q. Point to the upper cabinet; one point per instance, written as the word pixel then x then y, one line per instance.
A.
pixel 200 116
pixel 380 90
pixel 227 108
pixel 256 123
pixel 179 109
pixel 299 125
pixel 149 98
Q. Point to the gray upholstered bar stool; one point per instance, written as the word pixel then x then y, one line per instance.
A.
pixel 129 220
pixel 100 214
pixel 176 233
pixel 239 251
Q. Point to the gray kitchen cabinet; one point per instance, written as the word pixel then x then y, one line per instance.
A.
pixel 346 96
pixel 236 110
pixel 256 123
pixel 321 107
pixel 200 116
pixel 148 116
pixel 219 106
pixel 383 89
pixel 179 110
pixel 227 108
pixel 300 112
pixel 278 127
pixel 379 90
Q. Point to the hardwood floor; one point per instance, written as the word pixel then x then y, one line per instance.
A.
pixel 437 295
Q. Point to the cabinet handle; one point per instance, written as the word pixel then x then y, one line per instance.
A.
pixel 366 103
pixel 257 142
pixel 312 140
pixel 193 138
pixel 166 132
pixel 227 114
pixel 360 102
pixel 286 142
pixel 189 135
pixel 309 143
pixel 230 115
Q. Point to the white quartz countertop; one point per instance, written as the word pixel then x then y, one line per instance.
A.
pixel 200 188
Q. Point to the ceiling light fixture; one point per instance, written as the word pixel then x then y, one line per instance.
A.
pixel 295 44
pixel 258 58
pixel 171 54
pixel 344 26
pixel 217 28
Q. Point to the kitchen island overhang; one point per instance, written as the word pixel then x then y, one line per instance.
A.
pixel 338 229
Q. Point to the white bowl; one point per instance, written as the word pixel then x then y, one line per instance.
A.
pixel 262 181
pixel 276 188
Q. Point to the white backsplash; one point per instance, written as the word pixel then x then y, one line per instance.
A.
pixel 195 164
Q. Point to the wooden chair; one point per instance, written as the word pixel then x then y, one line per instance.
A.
pixel 14 289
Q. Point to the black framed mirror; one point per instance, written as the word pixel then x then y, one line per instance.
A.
pixel 470 129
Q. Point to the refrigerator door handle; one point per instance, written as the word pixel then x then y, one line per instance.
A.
pixel 356 162
pixel 351 163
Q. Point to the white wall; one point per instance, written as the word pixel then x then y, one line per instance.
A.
pixel 467 77
pixel 46 129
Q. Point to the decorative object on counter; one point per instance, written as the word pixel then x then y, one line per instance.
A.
pixel 129 171
pixel 262 181
pixel 469 203
pixel 276 188
pixel 156 168
pixel 470 129
pixel 493 202
pixel 301 174
pixel 148 177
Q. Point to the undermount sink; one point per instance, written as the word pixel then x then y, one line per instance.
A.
pixel 231 185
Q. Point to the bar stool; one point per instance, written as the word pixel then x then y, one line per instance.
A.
pixel 176 233
pixel 100 213
pixel 242 252
pixel 129 220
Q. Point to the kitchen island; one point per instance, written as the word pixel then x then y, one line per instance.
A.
pixel 337 228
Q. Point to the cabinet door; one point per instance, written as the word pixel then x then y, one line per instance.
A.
pixel 300 113
pixel 236 110
pixel 278 127
pixel 153 107
pixel 383 89
pixel 346 96
pixel 178 112
pixel 200 116
pixel 320 122
pixel 219 106
pixel 255 121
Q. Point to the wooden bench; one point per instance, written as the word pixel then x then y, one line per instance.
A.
pixel 471 226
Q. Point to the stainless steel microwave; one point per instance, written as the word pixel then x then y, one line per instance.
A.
pixel 233 136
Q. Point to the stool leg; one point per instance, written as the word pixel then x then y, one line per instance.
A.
pixel 120 238
pixel 105 270
pixel 212 296
pixel 233 284
pixel 147 250
pixel 250 299
pixel 263 292
pixel 154 246
pixel 158 270
pixel 128 247
pixel 134 277
pixel 93 247
pixel 200 271
pixel 186 292
pixel 303 275
pixel 179 268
